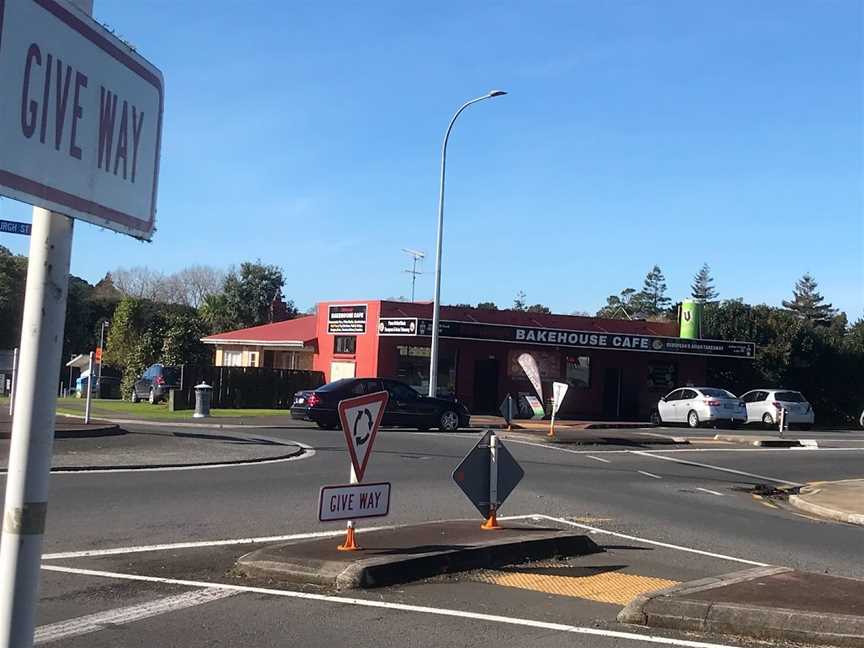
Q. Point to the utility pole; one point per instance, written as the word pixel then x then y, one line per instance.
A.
pixel 415 257
pixel 101 355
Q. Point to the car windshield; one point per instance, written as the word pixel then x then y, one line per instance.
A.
pixel 790 397
pixel 336 385
pixel 717 393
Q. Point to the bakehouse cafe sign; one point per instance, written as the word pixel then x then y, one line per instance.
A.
pixel 80 117
pixel 565 338
pixel 346 318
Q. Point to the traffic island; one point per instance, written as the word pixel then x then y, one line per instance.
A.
pixel 410 552
pixel 766 603
pixel 842 501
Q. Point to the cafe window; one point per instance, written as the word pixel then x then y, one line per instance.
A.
pixel 579 371
pixel 662 375
pixel 413 369
pixel 345 344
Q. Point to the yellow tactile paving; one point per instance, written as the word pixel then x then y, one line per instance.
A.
pixel 609 587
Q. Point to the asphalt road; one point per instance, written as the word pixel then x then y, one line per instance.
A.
pixel 697 499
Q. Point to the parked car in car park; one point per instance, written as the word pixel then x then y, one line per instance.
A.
pixel 405 407
pixel 764 406
pixel 697 405
pixel 155 383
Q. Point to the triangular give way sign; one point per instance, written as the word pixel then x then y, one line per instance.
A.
pixel 361 417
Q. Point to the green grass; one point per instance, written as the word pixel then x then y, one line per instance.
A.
pixel 121 409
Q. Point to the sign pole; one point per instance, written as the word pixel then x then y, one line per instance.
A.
pixel 350 543
pixel 491 522
pixel 89 390
pixel 14 376
pixel 33 425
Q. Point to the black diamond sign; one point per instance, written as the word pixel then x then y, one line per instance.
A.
pixel 472 475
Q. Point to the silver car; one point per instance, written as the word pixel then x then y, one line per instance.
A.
pixel 697 405
pixel 764 406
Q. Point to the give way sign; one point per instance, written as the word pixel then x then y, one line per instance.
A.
pixel 80 117
pixel 361 418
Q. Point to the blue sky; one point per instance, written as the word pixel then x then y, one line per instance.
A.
pixel 308 135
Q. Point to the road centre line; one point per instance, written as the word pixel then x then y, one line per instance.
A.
pixel 647 474
pixel 100 620
pixel 708 490
pixel 598 459
pixel 402 607
pixel 711 467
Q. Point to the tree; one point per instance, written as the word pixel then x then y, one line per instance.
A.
pixel 519 303
pixel 807 303
pixel 181 340
pixel 652 300
pixel 619 306
pixel 487 306
pixel 539 308
pixel 13 280
pixel 702 289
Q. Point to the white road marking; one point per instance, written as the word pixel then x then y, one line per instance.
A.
pixel 99 621
pixel 547 446
pixel 402 607
pixel 598 459
pixel 647 474
pixel 711 467
pixel 708 490
pixel 204 543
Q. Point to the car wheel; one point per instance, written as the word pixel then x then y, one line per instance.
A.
pixel 693 419
pixel 152 397
pixel 655 418
pixel 326 426
pixel 449 421
pixel 133 397
pixel 861 420
pixel 767 420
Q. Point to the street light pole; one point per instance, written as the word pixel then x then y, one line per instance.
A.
pixel 436 312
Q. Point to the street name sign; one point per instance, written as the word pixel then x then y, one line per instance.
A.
pixel 472 475
pixel 80 117
pixel 353 501
pixel 14 227
pixel 361 418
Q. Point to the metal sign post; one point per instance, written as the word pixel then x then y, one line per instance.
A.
pixel 14 376
pixel 99 162
pixel 89 390
pixel 491 522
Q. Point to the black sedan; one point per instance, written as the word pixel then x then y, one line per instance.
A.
pixel 405 407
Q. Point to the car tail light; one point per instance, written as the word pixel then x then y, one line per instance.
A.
pixel 713 403
pixel 313 400
pixel 159 380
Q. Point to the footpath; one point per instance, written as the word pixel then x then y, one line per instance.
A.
pixel 842 501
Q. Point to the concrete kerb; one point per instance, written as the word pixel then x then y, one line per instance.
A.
pixel 210 423
pixel 670 608
pixel 800 501
pixel 390 566
pixel 766 441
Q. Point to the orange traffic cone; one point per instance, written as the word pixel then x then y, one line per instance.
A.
pixel 491 523
pixel 350 544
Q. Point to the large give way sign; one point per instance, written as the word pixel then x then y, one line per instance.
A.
pixel 80 117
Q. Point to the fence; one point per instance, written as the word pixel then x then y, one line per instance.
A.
pixel 243 387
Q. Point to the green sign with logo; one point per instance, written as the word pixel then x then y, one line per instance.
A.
pixel 691 320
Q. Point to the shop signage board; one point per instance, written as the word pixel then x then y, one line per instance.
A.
pixel 361 418
pixel 536 406
pixel 346 319
pixel 82 118
pixel 529 335
pixel 559 391
pixel 473 473
pixel 397 326
pixel 353 501
pixel 14 227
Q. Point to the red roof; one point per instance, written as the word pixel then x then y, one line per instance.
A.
pixel 300 330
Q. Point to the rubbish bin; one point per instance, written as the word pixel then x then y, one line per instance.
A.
pixel 203 393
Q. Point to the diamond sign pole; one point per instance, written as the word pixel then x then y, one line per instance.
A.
pixel 491 522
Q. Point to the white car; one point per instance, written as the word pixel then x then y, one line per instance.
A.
pixel 764 405
pixel 697 405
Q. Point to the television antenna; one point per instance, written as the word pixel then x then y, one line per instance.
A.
pixel 416 256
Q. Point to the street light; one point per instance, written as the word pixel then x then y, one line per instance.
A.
pixel 436 312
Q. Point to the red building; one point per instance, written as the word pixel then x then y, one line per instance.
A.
pixel 615 368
